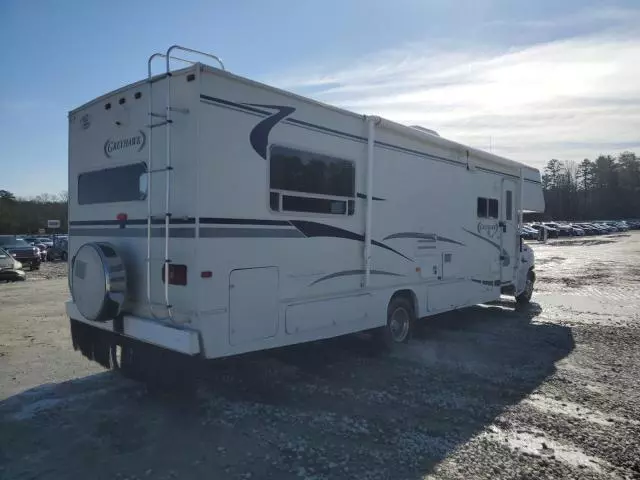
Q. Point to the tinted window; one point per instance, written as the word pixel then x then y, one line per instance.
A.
pixel 119 184
pixel 509 206
pixel 494 209
pixel 482 207
pixel 299 171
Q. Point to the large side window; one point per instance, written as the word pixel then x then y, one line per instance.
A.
pixel 494 208
pixel 302 181
pixel 509 205
pixel 119 184
pixel 488 208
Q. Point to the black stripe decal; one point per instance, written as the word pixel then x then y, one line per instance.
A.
pixel 179 232
pixel 313 229
pixel 421 154
pixel 259 136
pixel 362 195
pixel 242 221
pixel 241 106
pixel 325 129
pixel 347 273
pixel 235 232
pixel 136 221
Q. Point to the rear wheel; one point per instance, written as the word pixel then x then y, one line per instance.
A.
pixel 400 322
pixel 525 297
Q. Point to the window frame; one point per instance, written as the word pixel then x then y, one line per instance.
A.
pixel 349 212
pixel 144 173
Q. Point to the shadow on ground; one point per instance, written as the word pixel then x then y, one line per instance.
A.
pixel 331 409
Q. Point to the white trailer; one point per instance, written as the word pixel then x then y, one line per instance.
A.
pixel 211 215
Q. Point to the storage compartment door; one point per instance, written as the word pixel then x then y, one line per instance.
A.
pixel 253 304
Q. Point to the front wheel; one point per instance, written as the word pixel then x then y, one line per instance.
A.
pixel 525 297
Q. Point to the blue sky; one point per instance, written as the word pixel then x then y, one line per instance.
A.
pixel 535 80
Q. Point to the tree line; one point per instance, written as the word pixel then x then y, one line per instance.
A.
pixel 605 188
pixel 21 215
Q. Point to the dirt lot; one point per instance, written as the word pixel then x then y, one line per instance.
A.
pixel 490 392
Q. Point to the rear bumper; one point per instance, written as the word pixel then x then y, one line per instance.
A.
pixel 146 330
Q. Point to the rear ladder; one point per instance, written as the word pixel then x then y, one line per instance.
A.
pixel 162 120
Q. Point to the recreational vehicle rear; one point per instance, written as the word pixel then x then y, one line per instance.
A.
pixel 211 215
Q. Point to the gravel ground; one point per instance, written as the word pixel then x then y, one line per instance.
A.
pixel 491 392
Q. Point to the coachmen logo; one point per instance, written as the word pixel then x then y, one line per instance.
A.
pixel 116 146
pixel 491 229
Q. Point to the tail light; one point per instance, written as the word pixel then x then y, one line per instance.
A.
pixel 177 274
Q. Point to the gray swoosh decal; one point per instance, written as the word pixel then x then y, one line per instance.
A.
pixel 423 236
pixel 347 273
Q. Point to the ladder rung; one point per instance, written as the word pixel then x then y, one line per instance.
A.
pixel 179 110
pixel 160 115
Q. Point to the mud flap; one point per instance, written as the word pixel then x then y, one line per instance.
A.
pixel 141 361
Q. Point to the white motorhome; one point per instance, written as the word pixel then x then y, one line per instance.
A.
pixel 212 215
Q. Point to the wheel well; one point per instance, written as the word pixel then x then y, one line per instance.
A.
pixel 409 295
pixel 532 273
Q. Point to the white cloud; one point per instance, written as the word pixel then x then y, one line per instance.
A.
pixel 566 99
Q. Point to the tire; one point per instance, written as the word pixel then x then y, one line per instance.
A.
pixel 400 323
pixel 525 297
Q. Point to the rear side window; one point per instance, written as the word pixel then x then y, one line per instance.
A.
pixel 302 181
pixel 118 184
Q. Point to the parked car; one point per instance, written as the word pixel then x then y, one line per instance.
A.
pixel 622 227
pixel 551 232
pixel 563 230
pixel 634 224
pixel 22 251
pixel 10 268
pixel 528 233
pixel 576 231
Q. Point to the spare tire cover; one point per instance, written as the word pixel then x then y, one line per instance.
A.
pixel 98 281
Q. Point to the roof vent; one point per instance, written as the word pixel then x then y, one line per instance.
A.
pixel 426 130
